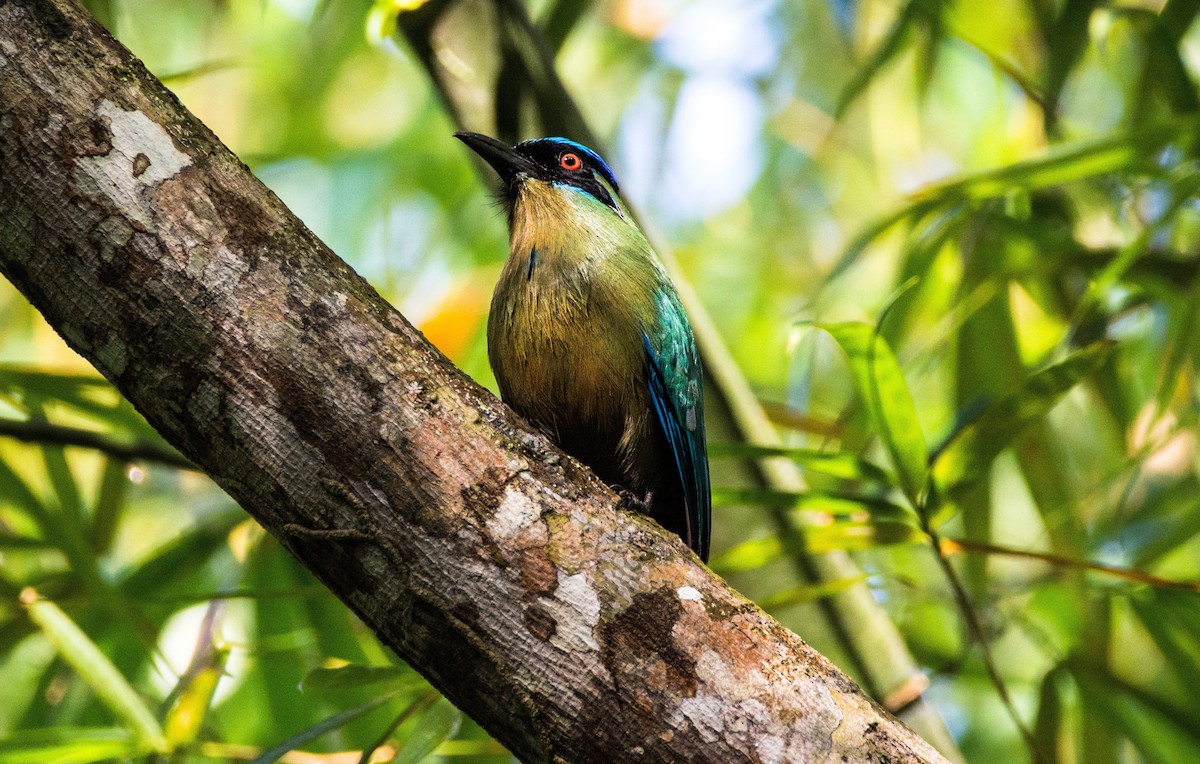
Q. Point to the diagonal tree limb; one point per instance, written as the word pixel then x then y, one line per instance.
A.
pixel 490 64
pixel 501 569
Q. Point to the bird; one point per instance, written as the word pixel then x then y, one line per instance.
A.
pixel 587 336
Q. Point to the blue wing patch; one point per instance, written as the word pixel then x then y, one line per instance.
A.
pixel 675 396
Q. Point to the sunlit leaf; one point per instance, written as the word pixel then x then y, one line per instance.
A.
pixel 1172 618
pixel 816 539
pixel 94 667
pixel 835 464
pixel 356 676
pixel 319 729
pixel 974 447
pixel 114 488
pixel 809 592
pixel 381 18
pixel 881 384
pixel 819 506
pixel 854 537
pixel 1156 728
pixel 435 726
pixel 1060 165
pixel 1053 700
pixel 89 395
pixel 70 745
pixel 1070 35
pixel 914 13
pixel 186 717
pixel 749 555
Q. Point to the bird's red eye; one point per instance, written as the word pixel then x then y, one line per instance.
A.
pixel 569 160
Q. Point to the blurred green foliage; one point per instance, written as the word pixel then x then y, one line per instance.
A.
pixel 952 245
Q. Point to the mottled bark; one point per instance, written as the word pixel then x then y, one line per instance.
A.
pixel 502 570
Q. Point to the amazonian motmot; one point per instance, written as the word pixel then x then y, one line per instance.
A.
pixel 587 336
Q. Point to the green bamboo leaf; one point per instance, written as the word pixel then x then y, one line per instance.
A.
pixel 749 555
pixel 972 449
pixel 71 745
pixel 355 676
pixel 12 543
pixel 805 593
pixel 179 559
pixel 914 212
pixel 15 490
pixel 437 725
pixel 559 19
pixel 1157 729
pixel 75 527
pixel 1060 165
pixel 1181 608
pixel 88 394
pixel 1165 64
pixel 1182 189
pixel 816 539
pixel 892 45
pixel 835 464
pixel 94 668
pixel 1050 725
pixel 479 747
pixel 62 385
pixel 64 529
pixel 1164 528
pixel 1176 18
pixel 65 487
pixel 893 415
pixel 110 503
pixel 1169 619
pixel 856 538
pixel 322 727
pixel 186 717
pixel 1069 36
pixel 418 706
pixel 821 505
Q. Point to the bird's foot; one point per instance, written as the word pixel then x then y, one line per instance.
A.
pixel 637 503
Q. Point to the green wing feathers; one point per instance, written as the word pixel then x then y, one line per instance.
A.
pixel 677 396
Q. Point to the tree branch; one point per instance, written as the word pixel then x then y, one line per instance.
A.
pixel 509 77
pixel 498 567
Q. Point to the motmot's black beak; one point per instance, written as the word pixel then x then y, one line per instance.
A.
pixel 502 157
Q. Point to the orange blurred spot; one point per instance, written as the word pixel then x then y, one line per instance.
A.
pixel 453 324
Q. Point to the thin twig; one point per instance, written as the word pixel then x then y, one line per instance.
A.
pixel 45 433
pixel 951 546
pixel 971 618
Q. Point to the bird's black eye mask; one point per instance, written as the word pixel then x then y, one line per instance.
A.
pixel 558 160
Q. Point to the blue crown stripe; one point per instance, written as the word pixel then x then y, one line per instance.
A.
pixel 592 156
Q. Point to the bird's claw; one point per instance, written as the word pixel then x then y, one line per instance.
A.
pixel 640 504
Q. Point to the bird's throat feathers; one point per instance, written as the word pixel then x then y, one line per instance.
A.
pixel 566 224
